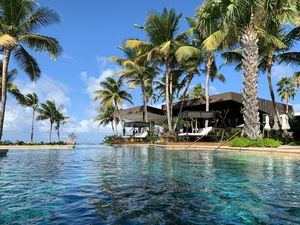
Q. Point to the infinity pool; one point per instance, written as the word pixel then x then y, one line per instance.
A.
pixel 140 185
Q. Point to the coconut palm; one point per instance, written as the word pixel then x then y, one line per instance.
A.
pixel 197 92
pixel 19 22
pixel 113 93
pixel 59 119
pixel 244 22
pixel 32 101
pixel 48 111
pixel 11 86
pixel 161 30
pixel 270 54
pixel 138 72
pixel 201 28
pixel 106 116
pixel 296 79
pixel 286 90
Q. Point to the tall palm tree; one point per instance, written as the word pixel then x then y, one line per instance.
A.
pixel 32 101
pixel 19 22
pixel 47 111
pixel 201 28
pixel 286 90
pixel 161 30
pixel 270 53
pixel 113 93
pixel 244 22
pixel 106 117
pixel 138 72
pixel 59 119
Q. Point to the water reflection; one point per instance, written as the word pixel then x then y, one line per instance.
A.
pixel 109 185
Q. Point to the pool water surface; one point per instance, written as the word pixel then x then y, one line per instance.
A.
pixel 147 185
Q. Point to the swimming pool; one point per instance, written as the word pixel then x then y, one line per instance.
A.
pixel 147 185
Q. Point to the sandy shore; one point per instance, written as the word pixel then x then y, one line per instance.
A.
pixel 213 146
pixel 36 147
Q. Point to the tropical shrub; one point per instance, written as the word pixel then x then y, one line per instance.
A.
pixel 246 142
pixel 112 139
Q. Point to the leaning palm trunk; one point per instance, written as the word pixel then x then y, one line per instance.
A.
pixel 5 63
pixel 115 120
pixel 208 69
pixel 287 104
pixel 168 99
pixel 250 83
pixel 32 126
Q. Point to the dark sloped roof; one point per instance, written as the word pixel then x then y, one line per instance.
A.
pixel 264 105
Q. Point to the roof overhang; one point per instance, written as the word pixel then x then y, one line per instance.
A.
pixel 195 115
pixel 135 114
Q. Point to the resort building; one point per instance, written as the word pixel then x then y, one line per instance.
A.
pixel 225 111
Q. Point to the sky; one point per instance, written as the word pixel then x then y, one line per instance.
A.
pixel 89 33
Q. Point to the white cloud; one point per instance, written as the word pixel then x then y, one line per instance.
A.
pixel 213 90
pixel 47 89
pixel 280 71
pixel 92 83
pixel 68 57
pixel 296 108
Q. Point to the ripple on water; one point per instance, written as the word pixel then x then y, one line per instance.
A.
pixel 141 185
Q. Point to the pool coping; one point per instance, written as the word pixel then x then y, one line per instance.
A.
pixel 37 147
pixel 171 146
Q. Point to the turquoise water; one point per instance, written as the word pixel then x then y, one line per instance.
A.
pixel 140 185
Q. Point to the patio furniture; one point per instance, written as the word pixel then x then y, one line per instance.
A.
pixel 201 132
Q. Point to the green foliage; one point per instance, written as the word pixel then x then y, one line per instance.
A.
pixel 246 142
pixel 152 138
pixel 30 143
pixel 112 139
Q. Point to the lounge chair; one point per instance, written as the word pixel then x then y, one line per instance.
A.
pixel 201 132
pixel 141 135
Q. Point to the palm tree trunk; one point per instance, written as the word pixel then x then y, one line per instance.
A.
pixel 250 83
pixel 287 104
pixel 208 69
pixel 182 102
pixel 168 98
pixel 5 63
pixel 113 126
pixel 145 110
pixel 50 133
pixel 116 125
pixel 32 126
pixel 58 134
pixel 272 93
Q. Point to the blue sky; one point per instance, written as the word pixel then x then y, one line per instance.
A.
pixel 89 32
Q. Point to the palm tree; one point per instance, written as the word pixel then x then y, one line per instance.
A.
pixel 161 30
pixel 296 79
pixel 270 53
pixel 47 111
pixel 59 119
pixel 286 90
pixel 112 93
pixel 200 29
pixel 106 117
pixel 137 71
pixel 11 86
pixel 245 22
pixel 32 101
pixel 197 92
pixel 19 22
